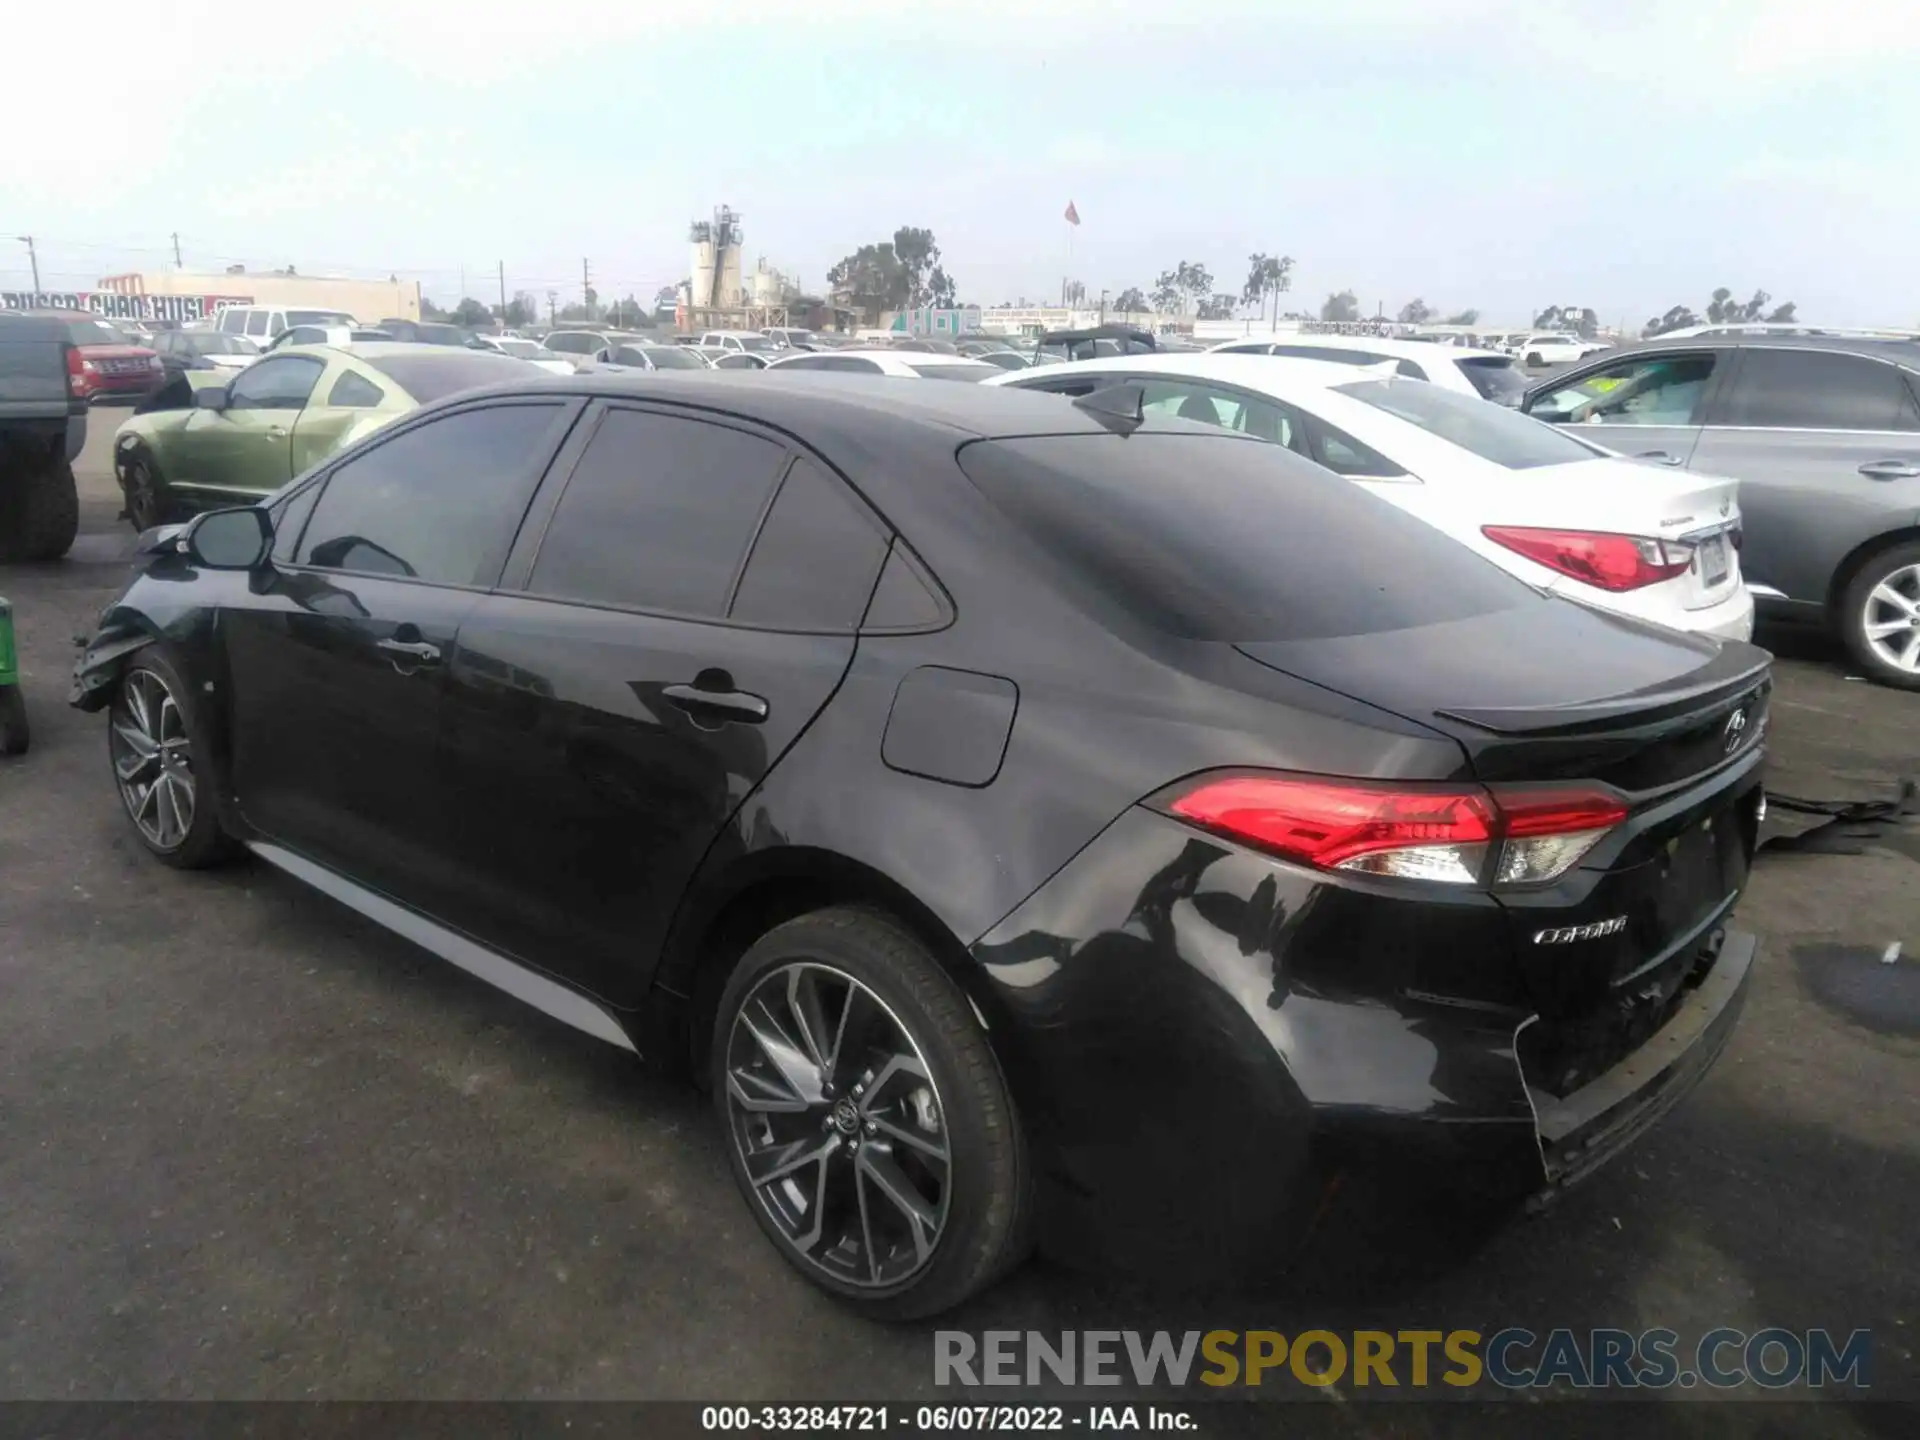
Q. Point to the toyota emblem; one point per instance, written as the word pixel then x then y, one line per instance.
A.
pixel 1736 727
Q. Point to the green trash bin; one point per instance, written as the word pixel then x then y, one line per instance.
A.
pixel 13 709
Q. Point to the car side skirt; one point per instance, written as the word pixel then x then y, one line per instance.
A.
pixel 503 973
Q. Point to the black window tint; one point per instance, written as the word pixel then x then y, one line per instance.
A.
pixel 1084 386
pixel 1249 541
pixel 1410 370
pixel 1647 390
pixel 904 599
pixel 440 502
pixel 657 515
pixel 289 519
pixel 1815 390
pixel 356 392
pixel 1495 376
pixel 1332 354
pixel 1492 432
pixel 279 384
pixel 817 557
pixel 1344 455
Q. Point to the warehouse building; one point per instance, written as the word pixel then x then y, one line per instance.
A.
pixel 367 300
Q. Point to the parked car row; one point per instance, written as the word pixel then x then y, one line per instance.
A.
pixel 911 762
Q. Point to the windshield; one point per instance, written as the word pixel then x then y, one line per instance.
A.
pixel 319 317
pixel 673 357
pixel 94 332
pixel 949 370
pixel 212 342
pixel 1496 377
pixel 753 342
pixel 1505 437
pixel 525 349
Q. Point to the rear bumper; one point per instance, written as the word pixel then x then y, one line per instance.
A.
pixel 1582 1131
pixel 1220 1057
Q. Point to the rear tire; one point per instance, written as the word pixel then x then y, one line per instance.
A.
pixel 1879 616
pixel 39 506
pixel 145 491
pixel 878 1069
pixel 157 748
pixel 1534 362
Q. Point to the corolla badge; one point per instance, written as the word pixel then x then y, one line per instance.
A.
pixel 1568 934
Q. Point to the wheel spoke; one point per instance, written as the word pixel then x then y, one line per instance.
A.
pixel 1888 596
pixel 810 1016
pixel 1910 652
pixel 778 1162
pixel 786 1054
pixel 811 1237
pixel 856 1020
pixel 892 1183
pixel 757 1093
pixel 170 811
pixel 184 798
pixel 1880 629
pixel 866 1225
pixel 136 740
pixel 896 1066
pixel 149 801
pixel 928 1145
pixel 133 767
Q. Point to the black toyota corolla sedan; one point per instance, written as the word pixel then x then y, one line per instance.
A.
pixel 1034 820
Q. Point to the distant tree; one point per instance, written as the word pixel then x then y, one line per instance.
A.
pixel 1583 323
pixel 519 311
pixel 1196 280
pixel 1415 312
pixel 1678 318
pixel 471 313
pixel 1465 317
pixel 919 257
pixel 1073 292
pixel 1782 314
pixel 1344 306
pixel 873 278
pixel 1131 301
pixel 1218 307
pixel 941 289
pixel 1267 275
pixel 430 311
pixel 1169 297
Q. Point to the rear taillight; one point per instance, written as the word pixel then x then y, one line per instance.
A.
pixel 1459 835
pixel 79 369
pixel 1595 557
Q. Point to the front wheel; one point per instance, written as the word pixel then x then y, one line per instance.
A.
pixel 1880 616
pixel 868 1123
pixel 157 747
pixel 146 495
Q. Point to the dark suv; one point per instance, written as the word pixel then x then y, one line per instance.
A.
pixel 1012 806
pixel 1823 434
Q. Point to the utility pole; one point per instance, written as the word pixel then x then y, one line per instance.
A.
pixel 32 259
pixel 177 263
pixel 503 290
pixel 586 286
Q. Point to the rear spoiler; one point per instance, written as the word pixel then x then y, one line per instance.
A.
pixel 1736 669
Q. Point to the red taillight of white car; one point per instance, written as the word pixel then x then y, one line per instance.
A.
pixel 1596 557
pixel 1458 835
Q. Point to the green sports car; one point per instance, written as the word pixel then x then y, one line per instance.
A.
pixel 198 444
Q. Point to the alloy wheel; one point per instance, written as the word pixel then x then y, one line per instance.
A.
pixel 838 1125
pixel 152 760
pixel 1890 619
pixel 143 505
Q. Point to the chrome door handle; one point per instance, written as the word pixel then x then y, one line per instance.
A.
pixel 1890 470
pixel 1659 457
pixel 717 704
pixel 415 649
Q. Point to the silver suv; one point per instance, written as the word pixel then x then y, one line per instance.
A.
pixel 1823 434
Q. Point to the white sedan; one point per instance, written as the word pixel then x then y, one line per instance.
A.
pixel 1554 348
pixel 1559 513
pixel 532 351
pixel 903 364
pixel 1486 373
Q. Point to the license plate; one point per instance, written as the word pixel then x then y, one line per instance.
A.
pixel 1714 560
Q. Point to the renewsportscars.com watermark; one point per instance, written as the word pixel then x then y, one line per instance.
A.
pixel 1513 1358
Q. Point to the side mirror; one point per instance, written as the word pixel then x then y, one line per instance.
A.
pixel 210 397
pixel 229 539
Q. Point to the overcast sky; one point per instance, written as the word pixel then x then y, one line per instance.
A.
pixel 1503 154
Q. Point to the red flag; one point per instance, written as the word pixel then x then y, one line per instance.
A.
pixel 1073 215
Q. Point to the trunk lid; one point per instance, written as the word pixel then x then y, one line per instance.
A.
pixel 1557 692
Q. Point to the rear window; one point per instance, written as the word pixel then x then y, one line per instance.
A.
pixel 1496 377
pixel 1214 537
pixel 1503 436
pixel 937 371
pixel 671 357
pixel 430 377
pixel 319 317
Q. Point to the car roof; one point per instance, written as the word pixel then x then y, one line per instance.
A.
pixel 1250 372
pixel 1383 345
pixel 1905 352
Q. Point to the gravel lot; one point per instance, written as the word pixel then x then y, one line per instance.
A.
pixel 250 1146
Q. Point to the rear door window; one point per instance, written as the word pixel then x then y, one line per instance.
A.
pixel 1216 405
pixel 658 515
pixel 814 564
pixel 1816 390
pixel 281 383
pixel 439 502
pixel 1496 377
pixel 1492 432
pixel 1249 541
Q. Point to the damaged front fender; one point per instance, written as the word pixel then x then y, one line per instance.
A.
pixel 97 672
